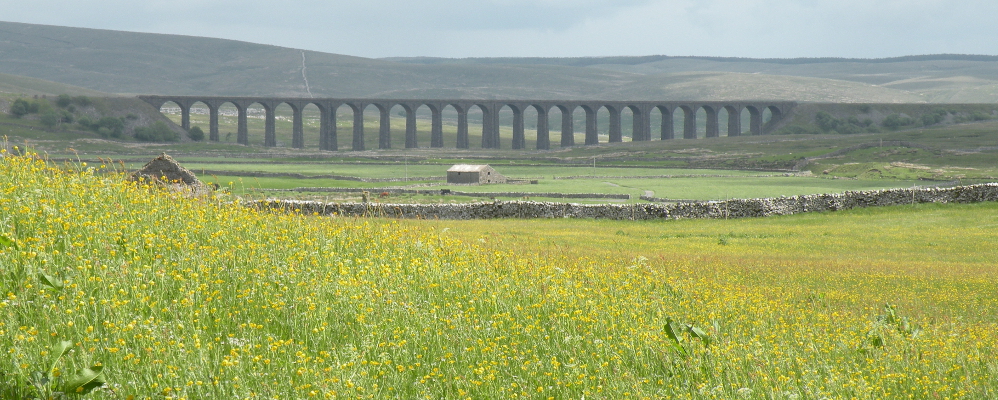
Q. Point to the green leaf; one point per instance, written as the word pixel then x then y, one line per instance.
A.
pixel 673 333
pixel 5 242
pixel 876 340
pixel 699 334
pixel 50 281
pixel 85 380
pixel 89 387
pixel 57 352
pixel 671 330
pixel 39 379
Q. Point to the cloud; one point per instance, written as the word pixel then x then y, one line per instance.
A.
pixel 464 28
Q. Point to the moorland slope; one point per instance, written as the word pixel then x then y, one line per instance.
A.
pixel 143 63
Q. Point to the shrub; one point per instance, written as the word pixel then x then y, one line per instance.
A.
pixel 22 107
pixel 196 134
pixel 895 121
pixel 64 100
pixel 826 121
pixel 933 118
pixel 85 123
pixel 50 118
pixel 82 101
pixel 849 128
pixel 799 130
pixel 106 126
pixel 158 132
pixel 116 126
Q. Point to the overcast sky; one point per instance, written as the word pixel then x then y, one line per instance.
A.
pixel 552 28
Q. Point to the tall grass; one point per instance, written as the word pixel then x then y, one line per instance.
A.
pixel 186 298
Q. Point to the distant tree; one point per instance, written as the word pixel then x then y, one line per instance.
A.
pixel 20 108
pixel 895 121
pixel 82 101
pixel 50 118
pixel 196 134
pixel 158 132
pixel 64 100
pixel 114 126
pixel 826 121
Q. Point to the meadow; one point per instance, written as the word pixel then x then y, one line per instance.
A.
pixel 162 296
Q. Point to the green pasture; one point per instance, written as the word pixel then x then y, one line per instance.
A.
pixel 113 290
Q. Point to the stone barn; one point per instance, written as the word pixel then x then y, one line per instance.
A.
pixel 480 174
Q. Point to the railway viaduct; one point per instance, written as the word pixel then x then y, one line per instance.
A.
pixel 329 140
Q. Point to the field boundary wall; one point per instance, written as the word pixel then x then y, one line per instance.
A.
pixel 741 208
pixel 450 192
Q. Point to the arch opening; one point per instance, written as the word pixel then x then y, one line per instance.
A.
pixel 554 126
pixel 256 115
pixel 530 131
pixel 311 115
pixel 603 124
pixel 507 118
pixel 627 124
pixel 283 122
pixel 172 111
pixel 228 123
pixel 423 118
pixel 479 127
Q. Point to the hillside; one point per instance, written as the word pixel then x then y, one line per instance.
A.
pixel 142 63
pixel 943 78
pixel 14 85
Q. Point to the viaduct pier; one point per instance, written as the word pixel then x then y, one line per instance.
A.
pixel 329 137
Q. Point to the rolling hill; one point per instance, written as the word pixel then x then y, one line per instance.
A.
pixel 141 63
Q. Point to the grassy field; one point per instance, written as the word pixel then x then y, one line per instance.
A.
pixel 164 296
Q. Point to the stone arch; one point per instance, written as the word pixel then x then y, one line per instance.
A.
pixel 436 124
pixel 392 118
pixel 413 135
pixel 639 122
pixel 734 120
pixel 567 130
pixel 384 123
pixel 755 119
pixel 667 126
pixel 461 141
pixel 328 121
pixel 775 117
pixel 614 126
pixel 174 110
pixel 308 125
pixel 712 125
pixel 510 115
pixel 256 123
pixel 487 137
pixel 359 139
pixel 199 114
pixel 592 123
pixel 626 124
pixel 519 137
pixel 226 117
pixel 543 131
pixel 689 121
pixel 281 120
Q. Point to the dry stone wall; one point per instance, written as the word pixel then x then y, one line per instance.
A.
pixel 743 208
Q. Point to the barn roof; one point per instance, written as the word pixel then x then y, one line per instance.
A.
pixel 467 168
